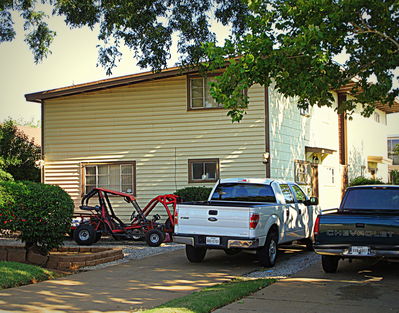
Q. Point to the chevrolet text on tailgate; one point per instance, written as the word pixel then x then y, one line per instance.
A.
pixel 365 225
pixel 246 213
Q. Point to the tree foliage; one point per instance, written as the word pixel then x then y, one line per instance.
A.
pixel 295 43
pixel 292 43
pixel 18 154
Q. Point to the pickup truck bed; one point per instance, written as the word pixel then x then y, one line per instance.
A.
pixel 365 225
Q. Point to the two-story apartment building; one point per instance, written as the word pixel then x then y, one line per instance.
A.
pixel 151 134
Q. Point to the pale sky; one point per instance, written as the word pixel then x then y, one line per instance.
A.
pixel 73 60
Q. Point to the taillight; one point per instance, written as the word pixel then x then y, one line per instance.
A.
pixel 253 220
pixel 176 218
pixel 317 226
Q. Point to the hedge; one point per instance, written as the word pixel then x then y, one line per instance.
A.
pixel 360 180
pixel 194 193
pixel 41 213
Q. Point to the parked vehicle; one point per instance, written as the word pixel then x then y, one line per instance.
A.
pixel 246 213
pixel 365 225
pixel 102 220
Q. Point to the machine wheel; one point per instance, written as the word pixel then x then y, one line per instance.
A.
pixel 84 235
pixel 137 235
pixel 267 255
pixel 232 251
pixel 98 237
pixel 195 254
pixel 329 263
pixel 154 237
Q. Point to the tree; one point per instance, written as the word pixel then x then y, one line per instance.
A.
pixel 18 155
pixel 293 43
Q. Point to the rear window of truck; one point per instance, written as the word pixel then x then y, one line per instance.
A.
pixel 244 192
pixel 378 198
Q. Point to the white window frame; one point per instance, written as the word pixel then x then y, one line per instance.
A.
pixel 203 161
pixel 205 95
pixel 108 164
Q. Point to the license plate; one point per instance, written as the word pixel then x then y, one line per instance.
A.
pixel 359 250
pixel 212 240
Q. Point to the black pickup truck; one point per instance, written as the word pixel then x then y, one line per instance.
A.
pixel 365 225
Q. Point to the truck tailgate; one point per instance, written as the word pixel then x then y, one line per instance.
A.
pixel 213 220
pixel 358 229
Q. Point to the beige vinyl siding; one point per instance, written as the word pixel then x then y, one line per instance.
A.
pixel 149 123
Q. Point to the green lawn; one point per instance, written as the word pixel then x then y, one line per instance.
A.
pixel 13 274
pixel 208 299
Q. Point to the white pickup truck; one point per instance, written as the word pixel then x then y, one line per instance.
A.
pixel 246 213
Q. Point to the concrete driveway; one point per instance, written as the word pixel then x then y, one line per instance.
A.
pixel 361 286
pixel 122 288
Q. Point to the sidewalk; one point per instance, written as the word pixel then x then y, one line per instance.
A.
pixel 360 287
pixel 121 288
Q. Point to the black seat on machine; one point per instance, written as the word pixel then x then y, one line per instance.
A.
pixel 90 208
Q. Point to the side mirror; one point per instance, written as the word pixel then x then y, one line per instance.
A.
pixel 312 201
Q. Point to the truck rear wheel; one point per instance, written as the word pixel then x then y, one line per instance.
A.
pixel 267 255
pixel 195 254
pixel 329 263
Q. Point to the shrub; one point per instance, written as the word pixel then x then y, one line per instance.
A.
pixel 194 193
pixel 395 177
pixel 41 213
pixel 365 181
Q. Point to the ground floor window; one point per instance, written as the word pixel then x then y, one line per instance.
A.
pixel 303 172
pixel 203 170
pixel 118 176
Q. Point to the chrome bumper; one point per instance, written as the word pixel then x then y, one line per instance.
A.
pixel 344 252
pixel 226 243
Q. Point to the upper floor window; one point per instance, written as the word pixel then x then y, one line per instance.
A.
pixel 206 170
pixel 114 176
pixel 199 96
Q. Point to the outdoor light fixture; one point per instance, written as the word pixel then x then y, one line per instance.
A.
pixel 266 156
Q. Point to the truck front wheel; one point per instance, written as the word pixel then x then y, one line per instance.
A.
pixel 268 253
pixel 329 263
pixel 195 254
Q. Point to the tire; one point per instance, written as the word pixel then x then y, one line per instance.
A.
pixel 136 238
pixel 308 243
pixel 267 255
pixel 154 237
pixel 232 251
pixel 195 254
pixel 84 235
pixel 136 235
pixel 98 237
pixel 329 263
